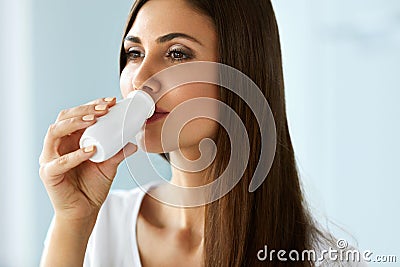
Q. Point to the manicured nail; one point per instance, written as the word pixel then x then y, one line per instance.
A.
pixel 100 107
pixel 88 149
pixel 109 99
pixel 88 117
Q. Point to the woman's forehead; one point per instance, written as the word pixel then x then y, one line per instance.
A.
pixel 159 17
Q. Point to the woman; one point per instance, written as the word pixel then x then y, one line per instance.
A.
pixel 90 227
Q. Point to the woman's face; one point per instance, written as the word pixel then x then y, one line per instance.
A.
pixel 166 33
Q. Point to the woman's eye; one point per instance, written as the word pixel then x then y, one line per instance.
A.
pixel 178 55
pixel 133 54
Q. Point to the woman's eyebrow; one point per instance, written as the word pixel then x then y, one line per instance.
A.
pixel 164 38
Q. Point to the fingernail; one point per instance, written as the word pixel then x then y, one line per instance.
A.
pixel 88 117
pixel 100 107
pixel 109 99
pixel 88 149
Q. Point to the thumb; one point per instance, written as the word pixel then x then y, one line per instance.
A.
pixel 129 149
pixel 125 152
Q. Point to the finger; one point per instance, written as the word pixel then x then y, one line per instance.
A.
pixel 98 108
pixel 125 152
pixel 102 101
pixel 52 172
pixel 69 126
pixel 63 128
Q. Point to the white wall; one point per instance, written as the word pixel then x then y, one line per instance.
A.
pixel 341 64
pixel 17 224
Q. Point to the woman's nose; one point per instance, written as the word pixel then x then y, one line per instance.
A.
pixel 145 78
pixel 151 85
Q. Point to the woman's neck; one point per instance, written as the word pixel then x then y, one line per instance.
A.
pixel 189 166
pixel 186 175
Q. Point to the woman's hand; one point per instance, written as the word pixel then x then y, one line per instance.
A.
pixel 76 186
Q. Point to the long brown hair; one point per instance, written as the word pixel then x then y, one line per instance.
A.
pixel 239 224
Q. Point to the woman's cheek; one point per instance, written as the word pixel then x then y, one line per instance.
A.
pixel 125 81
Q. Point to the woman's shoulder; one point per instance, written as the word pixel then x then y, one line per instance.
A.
pixel 123 203
pixel 119 198
pixel 112 242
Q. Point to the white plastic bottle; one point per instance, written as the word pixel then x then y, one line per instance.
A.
pixel 119 126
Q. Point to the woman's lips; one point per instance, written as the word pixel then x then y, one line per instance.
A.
pixel 158 114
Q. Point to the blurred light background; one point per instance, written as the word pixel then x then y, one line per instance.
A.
pixel 341 62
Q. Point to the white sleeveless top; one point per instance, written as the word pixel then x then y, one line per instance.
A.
pixel 113 240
